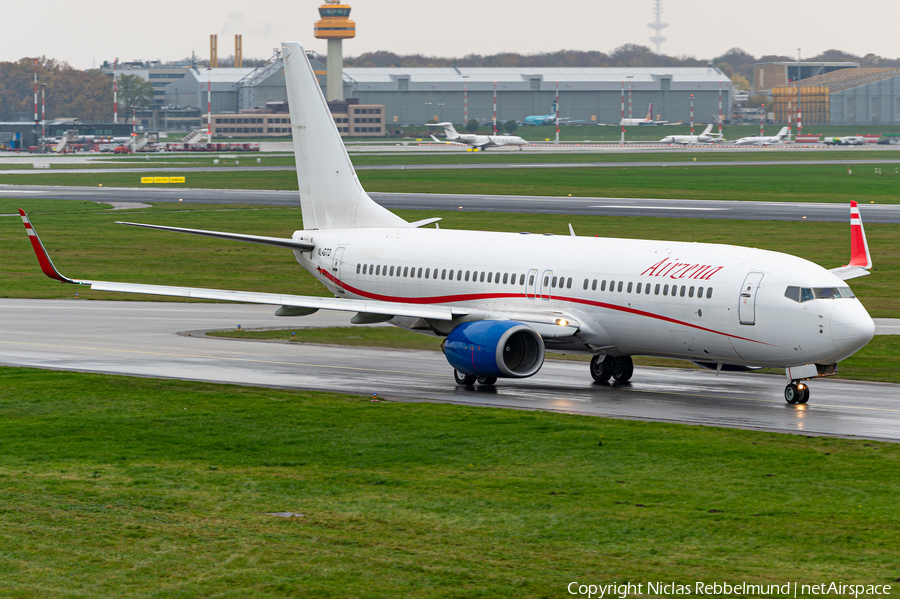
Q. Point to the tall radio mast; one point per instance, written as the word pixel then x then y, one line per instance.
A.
pixel 657 25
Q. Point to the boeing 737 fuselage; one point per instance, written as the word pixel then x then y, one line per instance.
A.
pixel 500 300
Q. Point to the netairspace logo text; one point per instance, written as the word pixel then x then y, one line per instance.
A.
pixel 718 589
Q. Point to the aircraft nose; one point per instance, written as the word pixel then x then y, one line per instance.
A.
pixel 851 326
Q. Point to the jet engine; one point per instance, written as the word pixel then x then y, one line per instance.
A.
pixel 495 348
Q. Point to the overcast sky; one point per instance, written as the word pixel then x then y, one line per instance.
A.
pixel 84 33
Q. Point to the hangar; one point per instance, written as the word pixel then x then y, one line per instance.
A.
pixel 844 97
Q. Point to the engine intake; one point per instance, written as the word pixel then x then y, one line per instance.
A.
pixel 498 348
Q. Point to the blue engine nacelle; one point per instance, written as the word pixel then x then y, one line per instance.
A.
pixel 498 348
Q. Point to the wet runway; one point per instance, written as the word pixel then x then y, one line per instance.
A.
pixel 595 206
pixel 141 338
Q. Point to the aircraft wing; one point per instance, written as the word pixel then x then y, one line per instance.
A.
pixel 449 143
pixel 547 323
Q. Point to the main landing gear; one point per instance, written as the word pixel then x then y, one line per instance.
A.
pixel 469 380
pixel 619 368
pixel 796 392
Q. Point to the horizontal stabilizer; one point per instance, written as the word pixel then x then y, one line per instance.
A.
pixel 303 246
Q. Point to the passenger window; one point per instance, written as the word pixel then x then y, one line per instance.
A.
pixel 683 288
pixel 629 287
pixel 459 275
pixel 358 267
pixel 420 273
pixel 699 291
pixel 666 290
pixel 546 280
pixel 612 286
pixel 639 288
pixel 490 276
pixel 619 288
pixel 522 279
pixel 451 274
pixel 585 284
pixel 365 266
pixel 647 289
pixel 709 293
pixel 569 283
pixel 497 278
pixel 378 269
pixel 594 285
pixel 553 284
pixel 444 274
pixel 405 271
pixel 467 275
pixel 691 291
pixel 506 278
pixel 656 292
pixel 603 285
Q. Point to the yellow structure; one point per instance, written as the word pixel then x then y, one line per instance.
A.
pixel 335 26
pixel 213 51
pixel 238 51
pixel 814 99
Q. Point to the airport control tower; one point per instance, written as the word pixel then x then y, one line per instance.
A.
pixel 335 25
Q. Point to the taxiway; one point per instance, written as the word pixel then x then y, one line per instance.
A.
pixel 142 339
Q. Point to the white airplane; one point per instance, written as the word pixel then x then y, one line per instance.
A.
pixel 501 299
pixel 707 137
pixel 479 142
pixel 648 120
pixel 757 140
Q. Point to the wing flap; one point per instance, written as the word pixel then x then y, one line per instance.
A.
pixel 276 299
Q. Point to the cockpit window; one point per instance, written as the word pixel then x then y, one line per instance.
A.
pixel 805 294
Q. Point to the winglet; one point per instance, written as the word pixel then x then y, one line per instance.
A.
pixel 859 247
pixel 42 255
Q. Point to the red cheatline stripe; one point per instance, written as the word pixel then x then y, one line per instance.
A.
pixel 485 296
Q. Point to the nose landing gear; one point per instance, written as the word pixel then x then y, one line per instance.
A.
pixel 796 393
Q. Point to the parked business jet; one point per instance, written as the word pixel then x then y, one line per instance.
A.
pixel 479 142
pixel 757 140
pixel 500 300
pixel 707 137
pixel 648 120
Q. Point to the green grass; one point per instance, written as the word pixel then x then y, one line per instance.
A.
pixel 780 183
pixel 878 361
pixel 86 244
pixel 126 487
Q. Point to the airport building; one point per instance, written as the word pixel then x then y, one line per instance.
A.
pixel 414 96
pixel 769 75
pixel 843 97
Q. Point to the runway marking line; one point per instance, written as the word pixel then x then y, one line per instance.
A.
pixel 400 372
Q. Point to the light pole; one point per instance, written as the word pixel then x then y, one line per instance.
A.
pixel 799 108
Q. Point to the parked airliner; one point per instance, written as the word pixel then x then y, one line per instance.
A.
pixel 500 300
pixel 707 137
pixel 479 142
pixel 648 120
pixel 765 140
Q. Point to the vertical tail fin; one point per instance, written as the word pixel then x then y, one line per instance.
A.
pixel 650 112
pixel 708 130
pixel 331 196
pixel 449 130
pixel 783 133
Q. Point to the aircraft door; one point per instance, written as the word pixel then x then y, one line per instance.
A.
pixel 747 305
pixel 544 284
pixel 531 283
pixel 336 270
